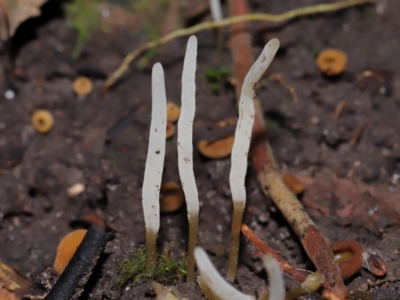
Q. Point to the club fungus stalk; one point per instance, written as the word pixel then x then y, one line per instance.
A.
pixel 154 163
pixel 185 149
pixel 241 148
pixel 221 289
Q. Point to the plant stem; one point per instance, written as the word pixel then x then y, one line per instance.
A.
pixel 193 231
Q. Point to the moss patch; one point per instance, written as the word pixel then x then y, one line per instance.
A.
pixel 134 270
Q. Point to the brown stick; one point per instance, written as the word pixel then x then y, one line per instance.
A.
pixel 264 163
pixel 264 248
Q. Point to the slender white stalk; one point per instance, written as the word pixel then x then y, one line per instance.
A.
pixel 216 11
pixel 155 160
pixel 214 280
pixel 185 148
pixel 245 123
pixel 276 284
pixel 241 148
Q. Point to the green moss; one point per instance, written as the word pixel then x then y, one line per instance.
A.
pixel 135 271
pixel 83 16
pixel 271 125
pixel 216 78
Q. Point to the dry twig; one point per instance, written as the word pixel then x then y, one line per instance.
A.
pixel 286 16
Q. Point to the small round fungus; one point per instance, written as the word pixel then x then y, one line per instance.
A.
pixel 42 121
pixel 82 86
pixel 67 248
pixel 216 149
pixel 170 130
pixel 293 183
pixel 173 112
pixel 171 197
pixel 331 61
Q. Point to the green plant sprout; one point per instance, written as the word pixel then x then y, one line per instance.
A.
pixel 216 78
pixel 83 16
pixel 136 271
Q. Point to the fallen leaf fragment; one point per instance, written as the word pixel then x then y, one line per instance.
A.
pixel 22 10
pixel 12 285
pixel 4 21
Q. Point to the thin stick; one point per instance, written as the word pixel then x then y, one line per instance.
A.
pixel 286 16
pixel 357 134
pixel 265 249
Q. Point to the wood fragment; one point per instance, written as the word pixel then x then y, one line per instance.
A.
pixel 339 109
pixel 265 249
pixel 357 134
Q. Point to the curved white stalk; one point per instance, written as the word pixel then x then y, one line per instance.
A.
pixel 276 284
pixel 241 148
pixel 154 162
pixel 214 280
pixel 185 148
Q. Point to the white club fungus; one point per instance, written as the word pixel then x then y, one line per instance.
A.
pixel 154 162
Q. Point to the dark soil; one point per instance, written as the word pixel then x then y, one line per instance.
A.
pixel 101 141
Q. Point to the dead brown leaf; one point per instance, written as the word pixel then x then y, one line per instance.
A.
pixel 4 20
pixel 14 12
pixel 372 207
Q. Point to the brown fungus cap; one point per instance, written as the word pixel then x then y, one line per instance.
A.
pixel 293 183
pixel 331 61
pixel 171 198
pixel 82 86
pixel 170 130
pixel 173 112
pixel 67 248
pixel 216 149
pixel 42 120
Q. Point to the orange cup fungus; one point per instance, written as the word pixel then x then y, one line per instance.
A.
pixel 173 112
pixel 331 61
pixel 67 248
pixel 82 86
pixel 42 120
pixel 171 197
pixel 170 130
pixel 216 149
pixel 293 183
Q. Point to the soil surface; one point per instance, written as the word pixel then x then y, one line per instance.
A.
pixel 350 166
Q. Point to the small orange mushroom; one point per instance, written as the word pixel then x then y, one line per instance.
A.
pixel 173 112
pixel 216 149
pixel 171 198
pixel 331 61
pixel 293 183
pixel 170 130
pixel 42 120
pixel 82 86
pixel 67 248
